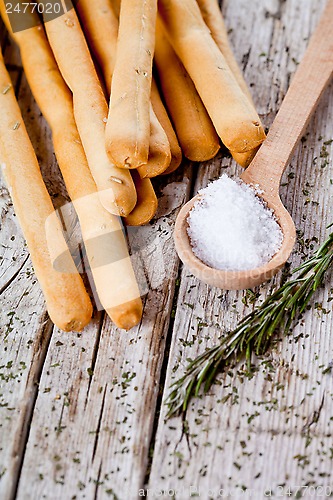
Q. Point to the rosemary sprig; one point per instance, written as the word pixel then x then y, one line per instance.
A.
pixel 253 333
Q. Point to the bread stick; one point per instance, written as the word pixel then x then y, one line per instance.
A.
pixel 115 186
pixel 100 26
pixel 159 155
pixel 195 131
pixel 101 29
pixel 146 206
pixel 244 159
pixel 163 118
pixel 235 120
pixel 213 18
pixel 67 301
pixel 128 127
pixel 158 108
pixel 102 232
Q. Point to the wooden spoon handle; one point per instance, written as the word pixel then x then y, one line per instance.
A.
pixel 307 86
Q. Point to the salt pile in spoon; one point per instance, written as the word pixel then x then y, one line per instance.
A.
pixel 231 228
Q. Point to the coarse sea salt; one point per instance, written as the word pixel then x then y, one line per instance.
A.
pixel 231 228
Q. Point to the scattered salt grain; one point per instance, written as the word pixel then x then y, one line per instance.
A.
pixel 231 228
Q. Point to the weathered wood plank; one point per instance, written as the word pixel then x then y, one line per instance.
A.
pixel 274 429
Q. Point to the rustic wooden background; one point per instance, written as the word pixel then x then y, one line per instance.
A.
pixel 82 415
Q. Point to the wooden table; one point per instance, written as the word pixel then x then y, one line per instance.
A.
pixel 82 415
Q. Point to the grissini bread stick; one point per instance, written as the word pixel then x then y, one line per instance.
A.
pixel 108 256
pixel 67 301
pixel 146 206
pixel 160 112
pixel 159 149
pixel 163 118
pixel 128 127
pixel 195 131
pixel 244 159
pixel 234 118
pixel 100 25
pixel 185 104
pixel 115 186
pixel 105 244
pixel 101 28
pixel 212 16
pixel 115 4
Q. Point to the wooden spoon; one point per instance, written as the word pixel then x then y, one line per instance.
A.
pixel 308 84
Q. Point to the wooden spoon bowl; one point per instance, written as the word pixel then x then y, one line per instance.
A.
pixel 234 280
pixel 265 172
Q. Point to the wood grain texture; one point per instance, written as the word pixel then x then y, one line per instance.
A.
pixel 314 73
pixel 77 411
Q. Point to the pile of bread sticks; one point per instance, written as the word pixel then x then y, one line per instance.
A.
pixel 107 153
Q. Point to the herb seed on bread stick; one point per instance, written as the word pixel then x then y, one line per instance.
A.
pixel 235 120
pixel 195 131
pixel 115 186
pixel 128 126
pixel 67 301
pixel 105 243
